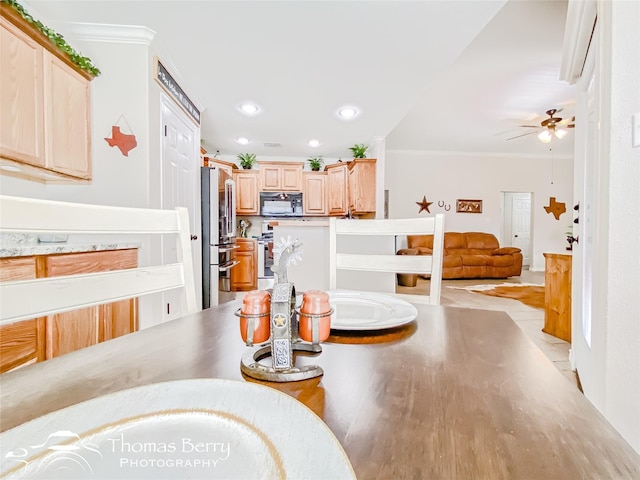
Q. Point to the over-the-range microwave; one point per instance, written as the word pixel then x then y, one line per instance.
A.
pixel 281 204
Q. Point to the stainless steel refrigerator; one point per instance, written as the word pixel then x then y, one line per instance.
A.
pixel 218 235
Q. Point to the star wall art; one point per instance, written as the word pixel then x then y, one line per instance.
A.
pixel 424 205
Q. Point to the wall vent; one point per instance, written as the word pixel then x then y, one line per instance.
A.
pixel 273 144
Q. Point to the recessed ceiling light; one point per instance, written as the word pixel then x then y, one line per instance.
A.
pixel 243 140
pixel 314 143
pixel 249 108
pixel 347 112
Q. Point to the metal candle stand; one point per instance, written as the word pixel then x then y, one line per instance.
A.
pixel 283 341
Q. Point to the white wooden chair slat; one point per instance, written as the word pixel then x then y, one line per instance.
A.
pixel 27 299
pixel 418 264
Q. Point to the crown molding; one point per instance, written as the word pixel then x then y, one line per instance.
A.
pixel 98 32
pixel 479 154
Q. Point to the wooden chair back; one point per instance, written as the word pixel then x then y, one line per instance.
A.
pixel 26 299
pixel 392 263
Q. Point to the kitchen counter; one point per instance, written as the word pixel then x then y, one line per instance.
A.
pixel 27 249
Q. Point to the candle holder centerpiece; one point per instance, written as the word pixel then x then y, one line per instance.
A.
pixel 276 314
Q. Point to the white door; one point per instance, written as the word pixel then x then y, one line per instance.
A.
pixel 517 223
pixel 180 188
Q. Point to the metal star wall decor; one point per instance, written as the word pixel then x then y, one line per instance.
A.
pixel 424 205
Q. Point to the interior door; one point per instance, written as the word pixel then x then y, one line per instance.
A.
pixel 180 188
pixel 517 223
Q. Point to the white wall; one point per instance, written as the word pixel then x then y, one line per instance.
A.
pixel 619 386
pixel 445 177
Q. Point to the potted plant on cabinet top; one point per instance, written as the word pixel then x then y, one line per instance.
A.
pixel 359 150
pixel 315 163
pixel 247 160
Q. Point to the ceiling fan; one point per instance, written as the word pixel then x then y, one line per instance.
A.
pixel 550 127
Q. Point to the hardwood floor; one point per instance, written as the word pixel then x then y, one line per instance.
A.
pixel 529 319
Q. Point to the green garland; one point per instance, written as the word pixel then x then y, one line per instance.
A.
pixel 84 63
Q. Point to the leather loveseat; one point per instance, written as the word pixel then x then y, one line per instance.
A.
pixel 469 255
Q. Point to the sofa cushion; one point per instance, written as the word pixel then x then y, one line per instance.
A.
pixel 481 240
pixel 453 240
pixel 450 261
pixel 473 260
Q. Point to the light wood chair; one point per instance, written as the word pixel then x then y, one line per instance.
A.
pixel 391 263
pixel 26 299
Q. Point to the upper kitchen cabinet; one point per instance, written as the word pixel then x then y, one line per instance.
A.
pixel 44 106
pixel 281 176
pixel 337 189
pixel 362 186
pixel 314 194
pixel 247 194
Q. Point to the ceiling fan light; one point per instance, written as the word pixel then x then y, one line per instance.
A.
pixel 560 133
pixel 545 136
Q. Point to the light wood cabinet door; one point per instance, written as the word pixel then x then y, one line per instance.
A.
pixel 21 343
pixel 281 176
pixel 244 276
pixel 44 106
pixel 247 194
pixel 337 189
pixel 314 194
pixel 67 120
pixel 21 96
pixel 71 331
pixel 362 186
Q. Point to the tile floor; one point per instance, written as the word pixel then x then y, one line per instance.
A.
pixel 529 319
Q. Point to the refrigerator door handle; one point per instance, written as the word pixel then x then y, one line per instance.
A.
pixel 230 206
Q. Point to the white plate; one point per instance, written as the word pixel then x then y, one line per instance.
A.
pixel 196 429
pixel 368 310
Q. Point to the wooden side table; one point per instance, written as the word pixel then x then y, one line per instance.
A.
pixel 557 295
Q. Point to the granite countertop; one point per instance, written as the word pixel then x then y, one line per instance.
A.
pixel 26 245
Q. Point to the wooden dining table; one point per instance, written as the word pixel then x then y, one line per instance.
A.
pixel 455 394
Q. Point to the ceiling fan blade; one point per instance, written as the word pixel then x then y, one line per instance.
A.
pixel 523 135
pixel 529 126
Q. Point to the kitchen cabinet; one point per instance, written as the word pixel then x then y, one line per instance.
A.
pixel 247 193
pixel 21 343
pixel 314 193
pixel 362 186
pixel 35 340
pixel 557 295
pixel 71 331
pixel 44 107
pixel 244 276
pixel 337 200
pixel 281 176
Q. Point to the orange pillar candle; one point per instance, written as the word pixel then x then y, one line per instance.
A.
pixel 256 329
pixel 315 303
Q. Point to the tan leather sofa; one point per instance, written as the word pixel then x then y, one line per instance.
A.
pixel 470 255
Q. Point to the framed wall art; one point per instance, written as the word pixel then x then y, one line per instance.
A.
pixel 468 206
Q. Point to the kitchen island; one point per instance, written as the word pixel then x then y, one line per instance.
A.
pixel 457 393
